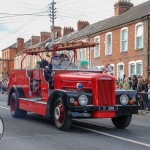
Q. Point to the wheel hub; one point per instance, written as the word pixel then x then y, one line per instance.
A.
pixel 57 113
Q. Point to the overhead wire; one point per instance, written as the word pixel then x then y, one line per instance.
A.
pixel 21 26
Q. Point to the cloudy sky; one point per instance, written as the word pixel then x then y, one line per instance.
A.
pixel 27 18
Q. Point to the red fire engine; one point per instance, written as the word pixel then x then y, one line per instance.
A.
pixel 72 92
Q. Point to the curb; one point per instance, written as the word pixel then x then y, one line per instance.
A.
pixel 144 112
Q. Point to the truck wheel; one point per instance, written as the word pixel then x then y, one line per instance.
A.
pixel 122 122
pixel 15 111
pixel 61 119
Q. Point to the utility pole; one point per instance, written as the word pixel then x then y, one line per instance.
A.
pixel 52 14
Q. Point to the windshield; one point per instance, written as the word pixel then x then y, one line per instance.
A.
pixel 65 64
pixel 64 61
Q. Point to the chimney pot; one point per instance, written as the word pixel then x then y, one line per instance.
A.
pixel 121 6
pixel 20 44
pixel 82 24
pixel 67 30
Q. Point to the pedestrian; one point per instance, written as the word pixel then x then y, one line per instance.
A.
pixel 134 82
pixel 130 83
pixel 141 90
pixel 148 97
pixel 126 85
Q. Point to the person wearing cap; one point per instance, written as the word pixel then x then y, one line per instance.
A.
pixel 84 64
pixel 55 64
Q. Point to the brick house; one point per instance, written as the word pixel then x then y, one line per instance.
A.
pixel 124 40
pixel 38 43
pixel 7 60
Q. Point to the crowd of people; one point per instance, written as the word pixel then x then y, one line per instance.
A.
pixel 142 86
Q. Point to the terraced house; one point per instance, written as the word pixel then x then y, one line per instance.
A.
pixel 123 41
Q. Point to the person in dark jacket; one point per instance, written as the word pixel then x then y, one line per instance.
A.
pixel 55 64
pixel 135 82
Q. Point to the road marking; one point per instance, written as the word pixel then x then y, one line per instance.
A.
pixel 114 136
pixel 99 132
pixel 4 107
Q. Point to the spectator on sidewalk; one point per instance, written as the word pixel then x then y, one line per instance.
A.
pixel 135 82
pixel 126 85
pixel 148 97
pixel 141 89
pixel 130 83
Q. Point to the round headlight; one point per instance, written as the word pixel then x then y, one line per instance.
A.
pixel 134 99
pixel 83 100
pixel 124 99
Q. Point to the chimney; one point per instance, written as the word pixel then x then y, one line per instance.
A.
pixel 67 30
pixel 35 39
pixel 121 6
pixel 20 44
pixel 44 36
pixel 57 31
pixel 82 24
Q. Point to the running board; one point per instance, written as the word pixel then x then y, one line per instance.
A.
pixel 35 100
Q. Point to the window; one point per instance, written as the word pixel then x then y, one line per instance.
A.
pixel 20 62
pixel 112 69
pixel 4 65
pixel 132 68
pixel 120 71
pixel 139 36
pixel 124 40
pixel 97 47
pixel 108 43
pixel 34 60
pixel 135 68
pixel 17 62
pixel 71 53
pixel 138 68
pixel 24 62
pixel 101 68
pixel 82 54
pixel 29 61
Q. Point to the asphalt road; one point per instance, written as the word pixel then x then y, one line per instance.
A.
pixel 36 133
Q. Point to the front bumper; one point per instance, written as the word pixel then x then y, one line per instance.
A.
pixel 87 111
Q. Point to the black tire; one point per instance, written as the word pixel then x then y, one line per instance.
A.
pixel 15 111
pixel 122 122
pixel 61 119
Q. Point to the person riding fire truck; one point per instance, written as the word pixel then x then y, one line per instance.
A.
pixel 72 92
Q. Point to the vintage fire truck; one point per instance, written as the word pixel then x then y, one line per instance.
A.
pixel 73 92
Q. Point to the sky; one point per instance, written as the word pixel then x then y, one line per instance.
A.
pixel 28 18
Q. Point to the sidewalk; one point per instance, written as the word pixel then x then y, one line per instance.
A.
pixel 144 113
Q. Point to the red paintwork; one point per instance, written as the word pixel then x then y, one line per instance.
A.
pixel 32 107
pixel 103 90
pixel 101 85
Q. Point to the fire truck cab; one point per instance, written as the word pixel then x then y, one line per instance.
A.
pixel 72 93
